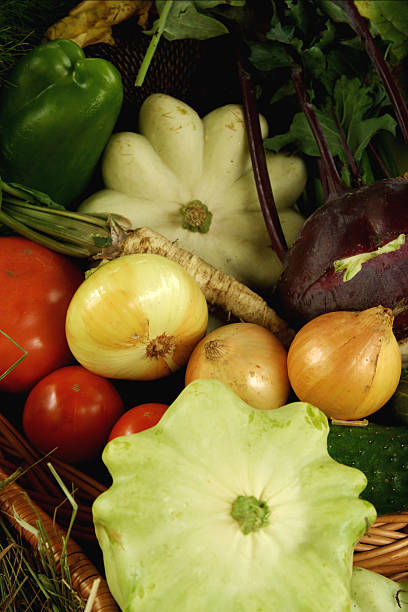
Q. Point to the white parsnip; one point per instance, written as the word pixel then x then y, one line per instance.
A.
pixel 221 290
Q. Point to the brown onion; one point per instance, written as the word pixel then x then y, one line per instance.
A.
pixel 346 363
pixel 247 358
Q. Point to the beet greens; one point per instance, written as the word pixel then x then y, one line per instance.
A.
pixel 352 252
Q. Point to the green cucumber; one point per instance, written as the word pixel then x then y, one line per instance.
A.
pixel 381 452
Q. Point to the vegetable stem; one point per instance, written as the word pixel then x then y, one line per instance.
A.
pixel 379 161
pixel 36 217
pixel 334 183
pixel 394 93
pixel 153 43
pixel 259 166
pixel 353 166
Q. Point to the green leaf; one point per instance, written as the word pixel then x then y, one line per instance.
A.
pixel 390 20
pixel 352 265
pixel 352 103
pixel 315 61
pixel 286 90
pixel 280 33
pixel 301 134
pixel 334 11
pixel 30 195
pixel 269 56
pixel 296 11
pixel 185 21
pixel 209 4
pixel 365 130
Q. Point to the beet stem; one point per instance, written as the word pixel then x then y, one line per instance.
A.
pixel 334 183
pixel 352 163
pixel 257 151
pixel 394 93
pixel 379 161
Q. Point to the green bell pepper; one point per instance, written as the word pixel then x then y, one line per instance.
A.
pixel 57 113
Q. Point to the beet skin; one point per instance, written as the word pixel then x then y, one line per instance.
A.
pixel 358 221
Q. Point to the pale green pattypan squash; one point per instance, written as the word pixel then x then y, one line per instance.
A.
pixel 191 180
pixel 224 508
pixel 372 592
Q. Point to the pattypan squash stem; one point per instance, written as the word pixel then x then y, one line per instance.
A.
pixel 196 217
pixel 260 169
pixel 250 513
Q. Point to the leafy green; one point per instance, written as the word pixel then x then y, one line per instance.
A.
pixel 390 21
pixel 352 265
pixel 183 19
pixel 186 19
pixel 348 98
pixel 352 105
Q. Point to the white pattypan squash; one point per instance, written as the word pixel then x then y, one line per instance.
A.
pixel 191 180
pixel 372 592
pixel 221 507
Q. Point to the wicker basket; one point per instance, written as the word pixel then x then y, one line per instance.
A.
pixel 39 498
pixel 384 548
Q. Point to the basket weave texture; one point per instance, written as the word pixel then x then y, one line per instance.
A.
pixel 39 498
pixel 176 71
pixel 383 549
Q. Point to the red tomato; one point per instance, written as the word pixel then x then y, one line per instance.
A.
pixel 37 285
pixel 137 419
pixel 74 410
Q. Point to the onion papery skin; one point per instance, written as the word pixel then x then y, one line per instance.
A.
pixel 356 222
pixel 137 317
pixel 247 358
pixel 348 364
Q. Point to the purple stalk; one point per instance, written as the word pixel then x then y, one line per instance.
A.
pixel 334 183
pixel 323 178
pixel 262 182
pixel 352 163
pixel 379 161
pixel 361 28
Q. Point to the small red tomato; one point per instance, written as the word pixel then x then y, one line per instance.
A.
pixel 73 411
pixel 137 419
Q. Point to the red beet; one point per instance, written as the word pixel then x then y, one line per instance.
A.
pixel 357 221
pixel 351 222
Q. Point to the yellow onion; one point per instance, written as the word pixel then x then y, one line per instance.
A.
pixel 247 358
pixel 348 364
pixel 137 317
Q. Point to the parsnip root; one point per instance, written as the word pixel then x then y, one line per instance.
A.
pixel 221 290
